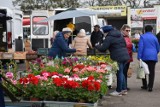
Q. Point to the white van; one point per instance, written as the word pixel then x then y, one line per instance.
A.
pixel 102 22
pixel 10 27
pixel 41 33
pixel 84 22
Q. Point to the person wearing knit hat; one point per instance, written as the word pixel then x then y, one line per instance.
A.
pixel 71 26
pixel 81 42
pixel 60 45
pixel 107 28
pixel 116 45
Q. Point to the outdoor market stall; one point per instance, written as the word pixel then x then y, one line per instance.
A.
pixel 68 80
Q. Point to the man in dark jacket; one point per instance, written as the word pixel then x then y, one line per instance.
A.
pixel 115 42
pixel 96 35
pixel 60 45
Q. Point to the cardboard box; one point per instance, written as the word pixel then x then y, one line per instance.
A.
pixel 19 55
pixel 6 55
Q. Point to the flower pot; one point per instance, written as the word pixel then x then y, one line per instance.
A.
pixel 34 99
pixel 81 101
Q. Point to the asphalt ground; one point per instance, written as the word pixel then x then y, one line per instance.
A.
pixel 136 97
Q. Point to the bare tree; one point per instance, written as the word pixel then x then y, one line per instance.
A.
pixel 46 4
pixel 71 3
pixel 132 3
pixel 89 2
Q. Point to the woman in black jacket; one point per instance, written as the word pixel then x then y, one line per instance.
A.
pixel 115 42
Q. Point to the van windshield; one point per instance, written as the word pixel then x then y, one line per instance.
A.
pixel 39 28
pixel 83 22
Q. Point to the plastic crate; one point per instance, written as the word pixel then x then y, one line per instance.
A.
pixel 43 51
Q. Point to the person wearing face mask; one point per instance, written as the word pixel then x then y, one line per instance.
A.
pixel 60 45
pixel 125 30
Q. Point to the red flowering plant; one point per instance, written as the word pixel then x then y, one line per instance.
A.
pixel 71 79
pixel 32 86
pixel 59 87
pixel 77 89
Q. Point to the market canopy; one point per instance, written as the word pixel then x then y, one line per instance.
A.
pixel 70 14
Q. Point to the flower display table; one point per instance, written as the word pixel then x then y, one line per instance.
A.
pixel 62 82
pixel 48 104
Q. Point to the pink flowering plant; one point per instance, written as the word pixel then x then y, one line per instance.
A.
pixel 68 79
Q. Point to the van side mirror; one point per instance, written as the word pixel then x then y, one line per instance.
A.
pixel 19 37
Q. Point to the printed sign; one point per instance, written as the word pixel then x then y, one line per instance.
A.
pixel 135 24
pixel 122 8
pixel 144 13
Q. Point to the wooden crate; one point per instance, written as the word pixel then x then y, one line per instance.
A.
pixel 19 55
pixel 1 55
pixel 7 55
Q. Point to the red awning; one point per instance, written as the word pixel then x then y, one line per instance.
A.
pixel 149 18
pixel 26 21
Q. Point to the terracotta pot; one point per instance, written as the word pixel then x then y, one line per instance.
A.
pixel 34 99
pixel 79 105
pixel 81 101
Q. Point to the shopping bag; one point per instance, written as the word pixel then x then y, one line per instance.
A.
pixel 133 47
pixel 144 66
pixel 129 73
pixel 140 73
pixel 109 79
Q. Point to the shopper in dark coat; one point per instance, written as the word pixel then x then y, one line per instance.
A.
pixel 96 35
pixel 60 45
pixel 115 42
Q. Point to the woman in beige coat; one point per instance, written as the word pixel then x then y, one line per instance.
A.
pixel 81 42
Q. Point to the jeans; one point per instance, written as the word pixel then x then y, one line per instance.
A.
pixel 121 82
pixel 1 97
pixel 125 71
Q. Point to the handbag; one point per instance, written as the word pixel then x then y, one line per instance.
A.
pixel 129 73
